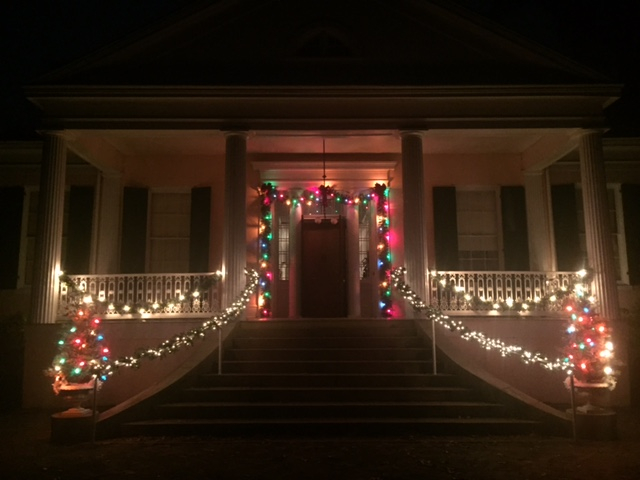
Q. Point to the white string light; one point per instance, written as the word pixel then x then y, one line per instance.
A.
pixel 187 338
pixel 485 342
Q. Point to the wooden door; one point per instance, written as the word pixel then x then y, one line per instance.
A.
pixel 323 280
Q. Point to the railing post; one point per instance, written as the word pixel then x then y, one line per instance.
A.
pixel 219 349
pixel 433 346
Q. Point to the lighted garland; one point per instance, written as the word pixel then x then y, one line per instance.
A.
pixel 589 352
pixel 168 304
pixel 269 194
pixel 384 255
pixel 185 338
pixel 477 303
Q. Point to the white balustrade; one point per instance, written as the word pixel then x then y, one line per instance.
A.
pixel 461 291
pixel 164 294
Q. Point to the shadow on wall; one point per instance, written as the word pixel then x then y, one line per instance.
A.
pixel 11 361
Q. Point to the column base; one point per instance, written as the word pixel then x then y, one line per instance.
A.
pixel 70 429
pixel 595 423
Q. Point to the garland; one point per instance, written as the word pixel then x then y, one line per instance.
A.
pixel 509 305
pixel 269 194
pixel 589 350
pixel 167 305
pixel 102 368
pixel 187 338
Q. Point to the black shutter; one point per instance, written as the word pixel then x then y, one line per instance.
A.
pixel 199 229
pixel 134 230
pixel 445 227
pixel 11 205
pixel 514 228
pixel 565 226
pixel 78 250
pixel 631 212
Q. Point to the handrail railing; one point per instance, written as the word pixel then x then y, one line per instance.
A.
pixel 148 294
pixel 459 291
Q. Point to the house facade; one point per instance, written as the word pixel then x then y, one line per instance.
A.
pixel 301 144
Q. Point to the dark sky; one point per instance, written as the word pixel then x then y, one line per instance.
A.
pixel 39 35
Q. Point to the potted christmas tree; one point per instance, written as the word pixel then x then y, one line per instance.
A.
pixel 76 369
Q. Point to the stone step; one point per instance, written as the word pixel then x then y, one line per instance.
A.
pixel 325 328
pixel 325 394
pixel 328 366
pixel 325 354
pixel 315 427
pixel 293 410
pixel 332 376
pixel 329 342
pixel 252 380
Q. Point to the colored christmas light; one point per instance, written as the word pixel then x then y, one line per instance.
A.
pixel 81 353
pixel 268 193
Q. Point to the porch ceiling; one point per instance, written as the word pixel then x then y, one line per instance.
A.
pixel 132 144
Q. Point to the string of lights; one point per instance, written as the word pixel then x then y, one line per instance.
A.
pixel 104 368
pixel 170 305
pixel 589 352
pixel 269 194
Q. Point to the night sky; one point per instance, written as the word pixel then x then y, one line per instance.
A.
pixel 39 35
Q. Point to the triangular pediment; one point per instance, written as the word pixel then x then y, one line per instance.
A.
pixel 288 42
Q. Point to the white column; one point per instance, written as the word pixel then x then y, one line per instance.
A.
pixel 295 217
pixel 235 212
pixel 106 235
pixel 597 227
pixel 353 261
pixel 414 229
pixel 542 251
pixel 44 292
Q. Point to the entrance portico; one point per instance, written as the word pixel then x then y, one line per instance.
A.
pixel 337 237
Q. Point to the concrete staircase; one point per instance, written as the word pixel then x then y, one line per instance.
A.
pixel 329 376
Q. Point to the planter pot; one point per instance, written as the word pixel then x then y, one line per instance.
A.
pixel 74 396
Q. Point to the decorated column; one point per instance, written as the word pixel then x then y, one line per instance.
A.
pixel 46 269
pixel 353 259
pixel 414 230
pixel 539 221
pixel 107 226
pixel 235 213
pixel 597 227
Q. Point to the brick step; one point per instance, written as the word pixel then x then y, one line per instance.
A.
pixel 325 394
pixel 325 354
pixel 327 366
pixel 251 380
pixel 293 410
pixel 333 426
pixel 328 342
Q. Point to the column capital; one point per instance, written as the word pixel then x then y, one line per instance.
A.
pixel 412 132
pixel 585 132
pixel 236 133
pixel 62 134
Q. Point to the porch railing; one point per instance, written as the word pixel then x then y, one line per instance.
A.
pixel 147 294
pixel 459 291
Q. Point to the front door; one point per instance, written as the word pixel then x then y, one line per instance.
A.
pixel 323 281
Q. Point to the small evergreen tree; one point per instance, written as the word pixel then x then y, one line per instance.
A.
pixel 81 349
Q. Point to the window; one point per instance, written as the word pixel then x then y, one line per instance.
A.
pixel 478 229
pixel 364 236
pixel 616 221
pixel 283 247
pixel 169 229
